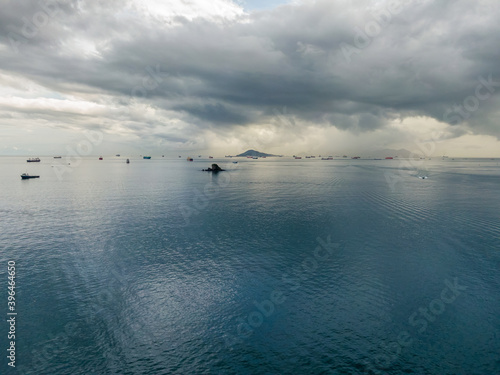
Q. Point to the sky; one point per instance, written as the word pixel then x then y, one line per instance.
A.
pixel 219 77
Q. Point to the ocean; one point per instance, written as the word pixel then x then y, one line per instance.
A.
pixel 274 266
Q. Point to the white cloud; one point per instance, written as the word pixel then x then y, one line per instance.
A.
pixel 191 9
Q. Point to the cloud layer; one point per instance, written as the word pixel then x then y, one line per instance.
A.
pixel 164 74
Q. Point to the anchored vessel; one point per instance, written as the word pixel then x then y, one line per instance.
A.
pixel 26 176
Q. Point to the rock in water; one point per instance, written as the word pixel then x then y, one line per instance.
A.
pixel 215 168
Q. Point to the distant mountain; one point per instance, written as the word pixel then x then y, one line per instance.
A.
pixel 254 153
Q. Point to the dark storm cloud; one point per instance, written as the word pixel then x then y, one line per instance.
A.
pixel 354 66
pixel 215 113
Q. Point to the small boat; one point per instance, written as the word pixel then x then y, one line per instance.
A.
pixel 33 160
pixel 189 159
pixel 26 176
pixel 100 158
pixel 146 157
pixel 57 157
pixel 128 161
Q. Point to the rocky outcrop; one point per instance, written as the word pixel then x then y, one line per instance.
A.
pixel 214 168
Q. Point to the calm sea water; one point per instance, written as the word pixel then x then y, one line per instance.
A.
pixel 276 266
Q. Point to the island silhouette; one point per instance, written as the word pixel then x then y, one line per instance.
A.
pixel 255 153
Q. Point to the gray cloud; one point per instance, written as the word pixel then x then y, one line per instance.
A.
pixel 424 61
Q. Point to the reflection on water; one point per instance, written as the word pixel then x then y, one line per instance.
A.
pixel 156 267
